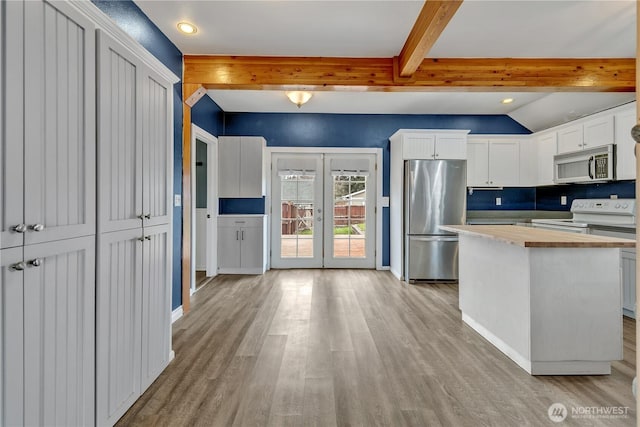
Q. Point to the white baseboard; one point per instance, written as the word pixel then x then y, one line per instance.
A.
pixel 176 314
pixel 385 268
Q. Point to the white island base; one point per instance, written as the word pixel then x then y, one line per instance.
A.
pixel 552 310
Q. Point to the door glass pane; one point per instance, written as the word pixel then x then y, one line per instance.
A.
pixel 349 213
pixel 297 211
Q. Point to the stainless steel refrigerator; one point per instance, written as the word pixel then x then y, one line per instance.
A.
pixel 434 195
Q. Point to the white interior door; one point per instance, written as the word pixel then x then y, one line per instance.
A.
pixel 350 204
pixel 323 211
pixel 296 211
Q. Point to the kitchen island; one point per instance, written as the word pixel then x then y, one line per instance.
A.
pixel 549 300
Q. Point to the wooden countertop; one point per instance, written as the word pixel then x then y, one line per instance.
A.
pixel 530 237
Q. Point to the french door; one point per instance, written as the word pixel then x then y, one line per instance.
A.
pixel 323 211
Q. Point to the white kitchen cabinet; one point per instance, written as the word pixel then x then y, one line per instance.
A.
pixel 528 162
pixel 547 148
pixel 135 143
pixel 47 214
pixel 241 166
pixel 625 145
pixel 242 244
pixel 588 134
pixel 493 163
pixel 628 262
pixel 428 144
pixel 48 190
pixel 48 317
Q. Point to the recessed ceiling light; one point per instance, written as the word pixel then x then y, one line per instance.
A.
pixel 507 100
pixel 187 28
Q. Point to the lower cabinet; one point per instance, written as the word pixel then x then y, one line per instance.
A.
pixel 241 244
pixel 133 316
pixel 47 319
pixel 628 283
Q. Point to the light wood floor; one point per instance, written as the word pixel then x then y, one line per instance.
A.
pixel 353 348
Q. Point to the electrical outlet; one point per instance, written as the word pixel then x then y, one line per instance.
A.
pixel 563 200
pixel 614 197
pixel 177 200
pixel 498 201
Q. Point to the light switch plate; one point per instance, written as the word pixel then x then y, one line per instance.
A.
pixel 177 200
pixel 563 200
pixel 385 201
pixel 498 201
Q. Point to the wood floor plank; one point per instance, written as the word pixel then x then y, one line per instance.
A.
pixel 358 348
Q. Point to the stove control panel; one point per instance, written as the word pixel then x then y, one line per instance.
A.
pixel 605 206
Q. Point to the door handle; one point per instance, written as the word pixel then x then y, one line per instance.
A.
pixel 319 219
pixel 19 266
pixel 589 166
pixel 36 262
pixel 37 227
pixel 20 228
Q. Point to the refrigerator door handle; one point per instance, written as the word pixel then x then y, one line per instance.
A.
pixel 443 238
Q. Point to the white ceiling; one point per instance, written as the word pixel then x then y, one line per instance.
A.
pixel 371 28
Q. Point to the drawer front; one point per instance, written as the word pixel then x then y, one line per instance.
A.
pixel 240 221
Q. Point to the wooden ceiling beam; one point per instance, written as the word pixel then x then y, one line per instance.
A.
pixel 442 74
pixel 433 18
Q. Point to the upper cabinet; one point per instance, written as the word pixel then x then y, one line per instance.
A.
pixel 625 145
pixel 546 148
pixel 493 162
pixel 241 166
pixel 588 134
pixel 431 144
pixel 48 156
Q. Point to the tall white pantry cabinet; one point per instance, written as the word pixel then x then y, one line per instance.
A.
pixel 54 314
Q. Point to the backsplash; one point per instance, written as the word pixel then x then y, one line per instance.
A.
pixel 512 198
pixel 547 198
pixel 241 206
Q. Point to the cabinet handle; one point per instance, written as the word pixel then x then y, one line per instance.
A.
pixel 19 266
pixel 20 228
pixel 148 216
pixel 36 262
pixel 141 239
pixel 37 227
pixel 148 237
pixel 237 235
pixel 242 235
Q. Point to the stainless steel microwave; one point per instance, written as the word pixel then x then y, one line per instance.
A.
pixel 592 165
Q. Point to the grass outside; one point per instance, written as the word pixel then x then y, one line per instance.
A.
pixel 336 231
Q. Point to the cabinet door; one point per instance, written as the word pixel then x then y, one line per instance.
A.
pixel 12 336
pixel 60 170
pixel 229 166
pixel 478 163
pixel 156 303
pixel 11 123
pixel 450 147
pixel 570 139
pixel 598 132
pixel 251 163
pixel 628 261
pixel 625 145
pixel 118 323
pixel 546 151
pixel 251 248
pixel 504 160
pixel 528 163
pixel 228 247
pixel 119 137
pixel 418 146
pixel 59 333
pixel 157 143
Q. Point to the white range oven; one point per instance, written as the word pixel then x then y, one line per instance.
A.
pixel 605 217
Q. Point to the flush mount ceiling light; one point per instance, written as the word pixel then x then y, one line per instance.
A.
pixel 298 97
pixel 507 100
pixel 187 28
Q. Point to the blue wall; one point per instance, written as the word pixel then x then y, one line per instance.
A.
pixel 208 115
pixel 513 198
pixel 349 130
